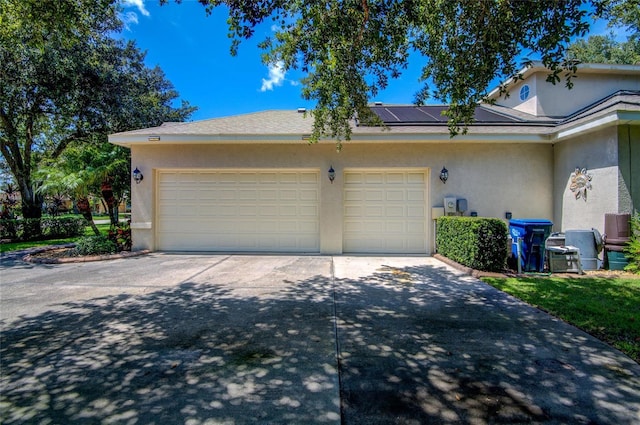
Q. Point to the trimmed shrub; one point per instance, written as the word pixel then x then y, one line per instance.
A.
pixel 95 245
pixel 41 228
pixel 476 242
pixel 63 227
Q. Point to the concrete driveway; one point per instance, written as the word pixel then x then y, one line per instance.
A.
pixel 213 339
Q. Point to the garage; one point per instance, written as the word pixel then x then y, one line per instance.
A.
pixel 238 210
pixel 385 211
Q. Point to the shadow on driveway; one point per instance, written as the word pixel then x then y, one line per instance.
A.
pixel 419 346
pixel 416 344
pixel 191 354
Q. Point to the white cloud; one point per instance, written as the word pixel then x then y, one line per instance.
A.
pixel 136 3
pixel 129 18
pixel 276 76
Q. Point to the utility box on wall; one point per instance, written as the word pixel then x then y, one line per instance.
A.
pixel 461 205
pixel 450 206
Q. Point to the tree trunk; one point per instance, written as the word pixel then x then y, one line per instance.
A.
pixel 107 194
pixel 31 206
pixel 116 213
pixel 31 202
pixel 84 208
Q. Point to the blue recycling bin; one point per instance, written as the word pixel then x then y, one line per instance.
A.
pixel 533 233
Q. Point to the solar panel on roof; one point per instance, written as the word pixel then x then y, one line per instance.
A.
pixel 426 115
pixel 413 115
pixel 435 111
pixel 384 114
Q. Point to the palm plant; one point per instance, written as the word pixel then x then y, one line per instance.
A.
pixel 85 171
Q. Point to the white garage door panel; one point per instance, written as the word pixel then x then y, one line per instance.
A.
pixel 238 211
pixel 384 212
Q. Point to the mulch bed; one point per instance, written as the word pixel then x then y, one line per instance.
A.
pixel 55 255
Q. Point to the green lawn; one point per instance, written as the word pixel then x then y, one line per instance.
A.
pixel 607 308
pixel 15 246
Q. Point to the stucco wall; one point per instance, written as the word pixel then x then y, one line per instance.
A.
pixel 546 99
pixel 598 153
pixel 494 178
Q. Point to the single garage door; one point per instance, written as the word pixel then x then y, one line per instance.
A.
pixel 385 212
pixel 238 210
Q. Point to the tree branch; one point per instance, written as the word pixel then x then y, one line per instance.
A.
pixel 76 135
pixel 9 145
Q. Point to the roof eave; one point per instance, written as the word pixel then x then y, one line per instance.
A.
pixel 614 118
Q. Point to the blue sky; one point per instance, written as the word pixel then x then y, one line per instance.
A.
pixel 193 51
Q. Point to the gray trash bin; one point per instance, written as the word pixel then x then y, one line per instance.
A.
pixel 587 242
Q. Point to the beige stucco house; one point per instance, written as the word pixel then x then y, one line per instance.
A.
pixel 252 183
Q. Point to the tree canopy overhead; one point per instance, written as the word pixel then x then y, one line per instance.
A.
pixel 350 49
pixel 65 79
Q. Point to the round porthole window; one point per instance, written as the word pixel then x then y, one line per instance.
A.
pixel 524 92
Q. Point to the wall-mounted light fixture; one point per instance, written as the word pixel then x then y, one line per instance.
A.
pixel 137 176
pixel 332 174
pixel 444 175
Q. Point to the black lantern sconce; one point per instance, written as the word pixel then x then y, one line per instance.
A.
pixel 137 176
pixel 444 175
pixel 332 174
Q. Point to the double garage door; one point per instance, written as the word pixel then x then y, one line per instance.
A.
pixel 279 211
pixel 228 210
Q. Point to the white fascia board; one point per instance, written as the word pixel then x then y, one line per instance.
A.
pixel 611 119
pixel 378 137
pixel 171 139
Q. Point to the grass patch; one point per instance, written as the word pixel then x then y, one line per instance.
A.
pixel 17 246
pixel 607 308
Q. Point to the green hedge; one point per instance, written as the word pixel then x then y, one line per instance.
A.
pixel 41 228
pixel 479 243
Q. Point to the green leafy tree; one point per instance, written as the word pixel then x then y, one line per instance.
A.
pixel 88 170
pixel 100 169
pixel 76 181
pixel 350 49
pixel 64 80
pixel 622 13
pixel 605 49
pixel 58 74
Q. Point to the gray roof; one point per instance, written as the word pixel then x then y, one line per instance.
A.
pixel 265 122
pixel 291 125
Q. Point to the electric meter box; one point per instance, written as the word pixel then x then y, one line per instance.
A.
pixel 450 206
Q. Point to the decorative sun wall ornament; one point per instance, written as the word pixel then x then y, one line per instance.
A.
pixel 580 183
